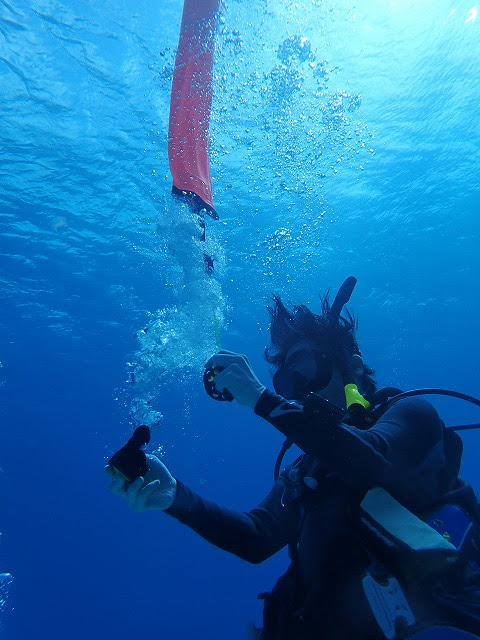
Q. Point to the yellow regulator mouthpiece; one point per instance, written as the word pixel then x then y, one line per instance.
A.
pixel 353 396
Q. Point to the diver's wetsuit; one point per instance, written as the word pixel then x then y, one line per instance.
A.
pixel 320 596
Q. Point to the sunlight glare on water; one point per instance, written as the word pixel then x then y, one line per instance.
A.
pixel 345 140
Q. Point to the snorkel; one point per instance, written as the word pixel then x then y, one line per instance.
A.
pixel 354 399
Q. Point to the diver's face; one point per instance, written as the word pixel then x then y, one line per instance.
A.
pixel 307 367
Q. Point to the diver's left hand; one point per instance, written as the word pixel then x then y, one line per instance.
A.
pixel 237 377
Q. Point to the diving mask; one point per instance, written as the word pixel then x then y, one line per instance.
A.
pixel 306 368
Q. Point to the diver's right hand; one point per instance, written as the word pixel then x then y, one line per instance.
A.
pixel 235 375
pixel 154 492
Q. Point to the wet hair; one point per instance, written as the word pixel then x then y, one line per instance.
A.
pixel 288 327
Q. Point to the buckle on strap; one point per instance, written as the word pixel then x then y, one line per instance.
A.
pixel 388 604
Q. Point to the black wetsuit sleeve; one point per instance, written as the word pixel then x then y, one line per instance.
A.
pixel 403 452
pixel 253 536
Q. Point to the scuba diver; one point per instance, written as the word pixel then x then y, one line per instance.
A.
pixel 383 536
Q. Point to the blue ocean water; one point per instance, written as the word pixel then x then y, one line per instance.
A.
pixel 345 139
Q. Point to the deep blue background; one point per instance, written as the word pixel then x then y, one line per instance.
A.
pixel 361 158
